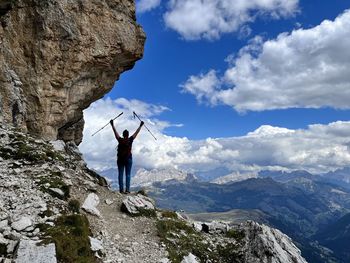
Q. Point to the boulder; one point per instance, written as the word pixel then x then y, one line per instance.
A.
pixel 57 191
pixel 190 258
pixel 90 204
pixel 215 227
pixel 137 205
pixel 95 244
pixel 22 224
pixel 31 251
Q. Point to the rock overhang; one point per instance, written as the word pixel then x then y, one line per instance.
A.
pixel 57 57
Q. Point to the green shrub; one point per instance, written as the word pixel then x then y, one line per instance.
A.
pixel 181 239
pixel 46 213
pixel 74 205
pixel 169 214
pixel 3 250
pixel 235 234
pixel 55 181
pixel 142 192
pixel 71 237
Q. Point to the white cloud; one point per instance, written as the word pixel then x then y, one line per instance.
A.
pixel 195 19
pixel 318 148
pixel 308 68
pixel 147 5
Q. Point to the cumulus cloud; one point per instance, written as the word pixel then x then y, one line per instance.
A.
pixel 307 68
pixel 318 148
pixel 196 19
pixel 147 5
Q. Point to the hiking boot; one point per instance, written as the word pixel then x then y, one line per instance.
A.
pixel 127 192
pixel 122 192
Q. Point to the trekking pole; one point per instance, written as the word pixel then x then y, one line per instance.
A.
pixel 107 124
pixel 144 125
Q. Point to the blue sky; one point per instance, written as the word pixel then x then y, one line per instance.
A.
pixel 240 85
pixel 169 60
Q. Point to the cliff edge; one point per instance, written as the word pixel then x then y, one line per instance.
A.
pixel 57 57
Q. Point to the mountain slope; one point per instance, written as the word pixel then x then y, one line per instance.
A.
pixel 300 207
pixel 336 236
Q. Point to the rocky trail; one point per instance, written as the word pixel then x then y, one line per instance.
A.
pixel 37 177
pixel 125 239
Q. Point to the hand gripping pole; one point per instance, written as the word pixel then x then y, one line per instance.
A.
pixel 135 115
pixel 107 124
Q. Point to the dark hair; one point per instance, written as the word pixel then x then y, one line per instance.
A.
pixel 125 133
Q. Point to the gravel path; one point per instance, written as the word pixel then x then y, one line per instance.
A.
pixel 125 239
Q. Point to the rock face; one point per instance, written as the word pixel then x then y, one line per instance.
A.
pixel 57 57
pixel 30 251
pixel 266 244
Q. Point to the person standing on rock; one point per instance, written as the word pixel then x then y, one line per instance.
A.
pixel 124 156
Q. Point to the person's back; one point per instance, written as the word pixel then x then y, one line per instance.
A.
pixel 124 156
pixel 124 149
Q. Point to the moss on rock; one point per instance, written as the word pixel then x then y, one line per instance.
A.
pixel 169 214
pixel 181 239
pixel 54 180
pixel 74 205
pixel 71 237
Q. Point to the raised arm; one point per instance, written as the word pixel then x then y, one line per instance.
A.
pixel 138 130
pixel 116 134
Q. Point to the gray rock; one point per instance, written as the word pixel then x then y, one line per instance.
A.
pixel 3 241
pixel 57 191
pixel 22 224
pixel 135 205
pixel 190 258
pixel 109 201
pixel 90 204
pixel 30 251
pixel 197 226
pixel 261 238
pixel 11 246
pixel 58 145
pixel 3 225
pixel 91 186
pixel 13 235
pixel 95 244
pixel 215 227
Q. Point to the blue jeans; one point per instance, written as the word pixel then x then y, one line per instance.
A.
pixel 127 166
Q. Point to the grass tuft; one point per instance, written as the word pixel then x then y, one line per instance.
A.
pixel 181 239
pixel 55 181
pixel 238 235
pixel 169 214
pixel 3 250
pixel 71 237
pixel 74 206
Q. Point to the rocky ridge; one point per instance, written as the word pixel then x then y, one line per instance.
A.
pixel 57 57
pixel 42 192
pixel 43 185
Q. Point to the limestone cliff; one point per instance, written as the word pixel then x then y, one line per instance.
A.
pixel 57 57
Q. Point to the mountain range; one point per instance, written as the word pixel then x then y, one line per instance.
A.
pixel 312 209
